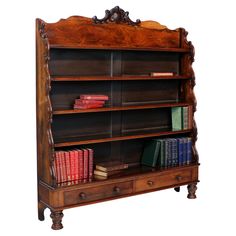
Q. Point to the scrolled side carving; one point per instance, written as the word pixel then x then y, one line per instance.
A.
pixel 116 15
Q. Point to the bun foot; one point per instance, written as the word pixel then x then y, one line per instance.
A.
pixel 56 219
pixel 192 188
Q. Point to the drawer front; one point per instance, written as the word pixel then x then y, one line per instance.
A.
pixel 163 180
pixel 97 193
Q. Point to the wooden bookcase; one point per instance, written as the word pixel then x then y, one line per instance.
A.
pixel 112 56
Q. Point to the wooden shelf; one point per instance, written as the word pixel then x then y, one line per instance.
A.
pixel 120 138
pixel 153 49
pixel 123 108
pixel 105 78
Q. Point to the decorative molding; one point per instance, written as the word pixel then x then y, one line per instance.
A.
pixel 42 31
pixel 116 15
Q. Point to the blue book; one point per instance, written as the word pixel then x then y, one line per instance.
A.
pixel 180 144
pixel 189 151
pixel 185 141
pixel 174 154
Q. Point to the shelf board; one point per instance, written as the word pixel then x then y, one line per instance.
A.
pixel 122 108
pixel 91 47
pixel 120 138
pixel 111 78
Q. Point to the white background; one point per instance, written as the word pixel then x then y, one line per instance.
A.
pixel 211 26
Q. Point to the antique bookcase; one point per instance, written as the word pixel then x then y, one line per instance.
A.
pixel 112 56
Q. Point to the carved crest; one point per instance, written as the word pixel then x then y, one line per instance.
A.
pixel 116 15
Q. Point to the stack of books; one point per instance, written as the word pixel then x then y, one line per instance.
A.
pixel 105 169
pixel 73 166
pixel 169 152
pixel 87 101
pixel 182 118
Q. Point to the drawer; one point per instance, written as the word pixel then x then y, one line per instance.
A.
pixel 97 193
pixel 163 179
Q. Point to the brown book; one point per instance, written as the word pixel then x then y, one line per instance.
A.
pixel 111 166
pixel 106 174
pixel 162 74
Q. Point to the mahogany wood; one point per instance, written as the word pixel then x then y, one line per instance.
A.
pixel 114 56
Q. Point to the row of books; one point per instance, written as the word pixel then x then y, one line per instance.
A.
pixel 182 118
pixel 74 165
pixel 86 101
pixel 167 152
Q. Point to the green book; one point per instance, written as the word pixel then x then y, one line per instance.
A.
pixel 176 116
pixel 161 159
pixel 185 117
pixel 151 153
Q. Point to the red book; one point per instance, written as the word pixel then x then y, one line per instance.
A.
pixel 94 97
pixel 72 166
pixel 85 101
pixel 87 106
pixel 63 166
pixel 76 166
pixel 80 164
pixel 90 163
pixel 85 151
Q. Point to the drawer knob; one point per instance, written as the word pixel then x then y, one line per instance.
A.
pixel 116 189
pixel 150 183
pixel 82 196
pixel 179 178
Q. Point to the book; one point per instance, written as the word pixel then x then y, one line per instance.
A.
pixel 80 164
pixel 161 159
pixel 111 166
pixel 189 151
pixel 180 151
pixel 87 106
pixel 68 157
pixel 150 153
pixel 90 163
pixel 106 174
pixel 86 101
pixel 57 167
pixel 94 97
pixel 185 117
pixel 161 73
pixel 85 154
pixel 176 117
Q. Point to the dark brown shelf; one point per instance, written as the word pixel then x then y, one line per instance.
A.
pixel 120 138
pixel 128 77
pixel 124 108
pixel 152 49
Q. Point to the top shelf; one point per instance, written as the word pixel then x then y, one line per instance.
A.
pixel 105 78
pixel 151 49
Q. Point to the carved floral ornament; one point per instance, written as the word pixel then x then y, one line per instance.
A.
pixel 116 15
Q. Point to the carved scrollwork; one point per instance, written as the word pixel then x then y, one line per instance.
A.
pixel 116 15
pixel 47 77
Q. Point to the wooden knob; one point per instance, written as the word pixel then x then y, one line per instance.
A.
pixel 178 177
pixel 116 189
pixel 82 196
pixel 150 183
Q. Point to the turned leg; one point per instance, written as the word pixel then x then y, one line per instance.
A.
pixel 41 208
pixel 177 189
pixel 192 191
pixel 56 219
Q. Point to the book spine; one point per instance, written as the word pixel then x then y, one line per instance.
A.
pixel 81 164
pixel 87 106
pixel 185 151
pixel 90 165
pixel 180 151
pixel 68 165
pixel 185 124
pixel 76 165
pixel 94 97
pixel 189 151
pixel 63 166
pixel 174 152
pixel 84 102
pixel 85 163
pixel 190 117
pixel 162 153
